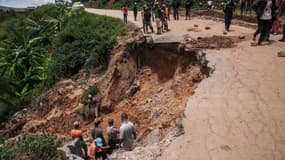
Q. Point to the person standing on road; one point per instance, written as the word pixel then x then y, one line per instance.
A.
pixel 229 10
pixel 283 20
pixel 175 6
pixel 188 5
pixel 276 22
pixel 135 10
pixel 264 10
pixel 157 15
pixel 127 133
pixel 125 13
pixel 147 19
pixel 168 5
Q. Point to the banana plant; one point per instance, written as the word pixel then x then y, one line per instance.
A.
pixel 24 63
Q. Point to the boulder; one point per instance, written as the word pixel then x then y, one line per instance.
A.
pixel 72 150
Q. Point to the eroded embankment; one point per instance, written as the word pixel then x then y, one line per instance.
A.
pixel 151 84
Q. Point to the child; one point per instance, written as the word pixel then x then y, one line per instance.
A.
pixel 164 19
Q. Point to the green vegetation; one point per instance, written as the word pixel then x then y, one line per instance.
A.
pixel 52 42
pixel 36 146
pixel 91 36
pixel 7 152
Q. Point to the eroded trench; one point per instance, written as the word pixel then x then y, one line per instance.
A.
pixel 166 75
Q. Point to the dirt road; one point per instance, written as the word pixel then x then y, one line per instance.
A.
pixel 237 113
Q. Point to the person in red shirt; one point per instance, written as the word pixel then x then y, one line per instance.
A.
pixel 125 13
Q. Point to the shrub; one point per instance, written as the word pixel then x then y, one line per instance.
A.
pixel 7 152
pixel 84 43
pixel 40 146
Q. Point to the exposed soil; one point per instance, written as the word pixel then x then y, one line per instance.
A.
pixel 164 77
pixel 214 42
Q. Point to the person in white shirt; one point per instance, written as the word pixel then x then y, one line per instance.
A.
pixel 127 133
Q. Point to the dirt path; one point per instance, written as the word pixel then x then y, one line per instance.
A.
pixel 237 113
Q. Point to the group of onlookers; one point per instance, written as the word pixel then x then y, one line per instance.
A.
pixel 268 13
pixel 118 138
pixel 158 12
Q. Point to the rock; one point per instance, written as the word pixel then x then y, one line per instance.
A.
pixel 149 100
pixel 241 37
pixel 72 150
pixel 207 28
pixel 225 33
pixel 196 25
pixel 159 90
pixel 152 137
pixel 132 90
pixel 281 54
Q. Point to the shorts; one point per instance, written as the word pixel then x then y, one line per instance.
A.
pixel 148 23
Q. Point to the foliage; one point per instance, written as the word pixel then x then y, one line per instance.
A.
pixel 120 3
pixel 7 152
pixel 43 147
pixel 84 42
pixel 40 47
pixel 8 99
pixel 36 146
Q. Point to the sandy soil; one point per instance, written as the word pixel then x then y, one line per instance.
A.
pixel 237 113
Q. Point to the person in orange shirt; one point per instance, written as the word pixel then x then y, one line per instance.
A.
pixel 76 132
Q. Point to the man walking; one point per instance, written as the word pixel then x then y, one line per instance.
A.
pixel 175 6
pixel 188 5
pixel 228 10
pixel 127 133
pixel 264 10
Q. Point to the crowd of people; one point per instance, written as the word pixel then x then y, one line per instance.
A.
pixel 117 138
pixel 270 15
pixel 159 13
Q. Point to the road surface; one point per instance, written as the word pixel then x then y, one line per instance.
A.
pixel 239 112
